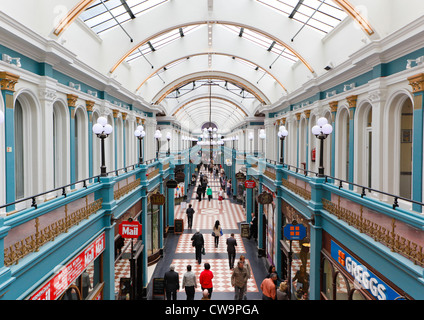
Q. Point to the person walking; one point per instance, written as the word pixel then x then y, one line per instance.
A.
pixel 217 230
pixel 198 242
pixel 205 279
pixel 253 227
pixel 199 192
pixel 268 287
pixel 239 281
pixel 172 283
pixel 249 272
pixel 228 188
pixel 190 212
pixel 220 196
pixel 209 193
pixel 189 283
pixel 231 249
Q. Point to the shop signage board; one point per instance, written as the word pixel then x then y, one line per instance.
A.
pixel 130 229
pixel 294 231
pixel 157 199
pixel 172 184
pixel 363 277
pixel 250 184
pixel 67 274
pixel 265 198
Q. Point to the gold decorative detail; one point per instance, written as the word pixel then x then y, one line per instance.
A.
pixel 33 242
pixel 417 83
pixel 89 105
pixel 334 105
pixel 126 189
pixel 8 81
pixel 124 116
pixel 115 113
pixel 307 113
pixel 297 189
pixel 72 100
pixel 351 100
pixel 387 237
pixel 270 175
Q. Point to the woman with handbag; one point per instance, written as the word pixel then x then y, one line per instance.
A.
pixel 217 232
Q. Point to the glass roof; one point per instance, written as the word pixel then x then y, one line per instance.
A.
pixel 162 41
pixel 322 15
pixel 106 14
pixel 263 41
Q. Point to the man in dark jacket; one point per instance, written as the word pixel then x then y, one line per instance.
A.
pixel 190 212
pixel 231 249
pixel 172 283
pixel 198 243
pixel 199 192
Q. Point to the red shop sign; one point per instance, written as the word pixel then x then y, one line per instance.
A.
pixel 249 184
pixel 67 274
pixel 130 229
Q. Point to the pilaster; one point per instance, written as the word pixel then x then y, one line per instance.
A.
pixel 417 84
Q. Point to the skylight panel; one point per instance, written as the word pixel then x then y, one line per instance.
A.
pixel 321 15
pixel 161 41
pixel 264 42
pixel 106 14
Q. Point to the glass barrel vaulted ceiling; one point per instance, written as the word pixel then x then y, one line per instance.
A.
pixel 164 54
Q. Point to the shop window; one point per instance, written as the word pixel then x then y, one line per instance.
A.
pixel 358 295
pixel 327 280
pixel 342 287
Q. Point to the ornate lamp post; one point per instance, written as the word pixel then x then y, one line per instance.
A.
pixel 262 136
pixel 321 130
pixel 102 129
pixel 140 134
pixel 282 133
pixel 250 137
pixel 168 137
pixel 158 136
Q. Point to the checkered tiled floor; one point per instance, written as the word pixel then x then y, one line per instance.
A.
pixel 184 244
pixel 221 274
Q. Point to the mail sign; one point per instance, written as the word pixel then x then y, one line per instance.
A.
pixel 363 277
pixel 129 229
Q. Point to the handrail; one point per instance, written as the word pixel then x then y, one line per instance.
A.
pixel 364 188
pixel 63 188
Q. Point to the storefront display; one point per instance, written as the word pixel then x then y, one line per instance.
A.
pixel 346 277
pixel 77 279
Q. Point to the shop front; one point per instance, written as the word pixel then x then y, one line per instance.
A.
pixel 81 278
pixel 295 256
pixel 153 224
pixel 345 276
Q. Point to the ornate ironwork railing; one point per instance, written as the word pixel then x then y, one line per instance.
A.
pixel 126 189
pixel 388 237
pixel 297 189
pixel 33 242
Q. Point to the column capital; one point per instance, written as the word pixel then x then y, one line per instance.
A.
pixel 417 83
pixel 298 115
pixel 72 100
pixel 333 106
pixel 124 116
pixel 8 81
pixel 351 100
pixel 307 113
pixel 115 113
pixel 89 105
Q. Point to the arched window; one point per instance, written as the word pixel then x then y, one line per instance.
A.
pixel 342 144
pixel 60 145
pixel 363 148
pixel 19 152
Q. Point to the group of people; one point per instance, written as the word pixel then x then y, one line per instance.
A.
pixel 198 242
pixel 204 189
pixel 239 277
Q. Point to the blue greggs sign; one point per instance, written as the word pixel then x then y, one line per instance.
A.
pixel 363 277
